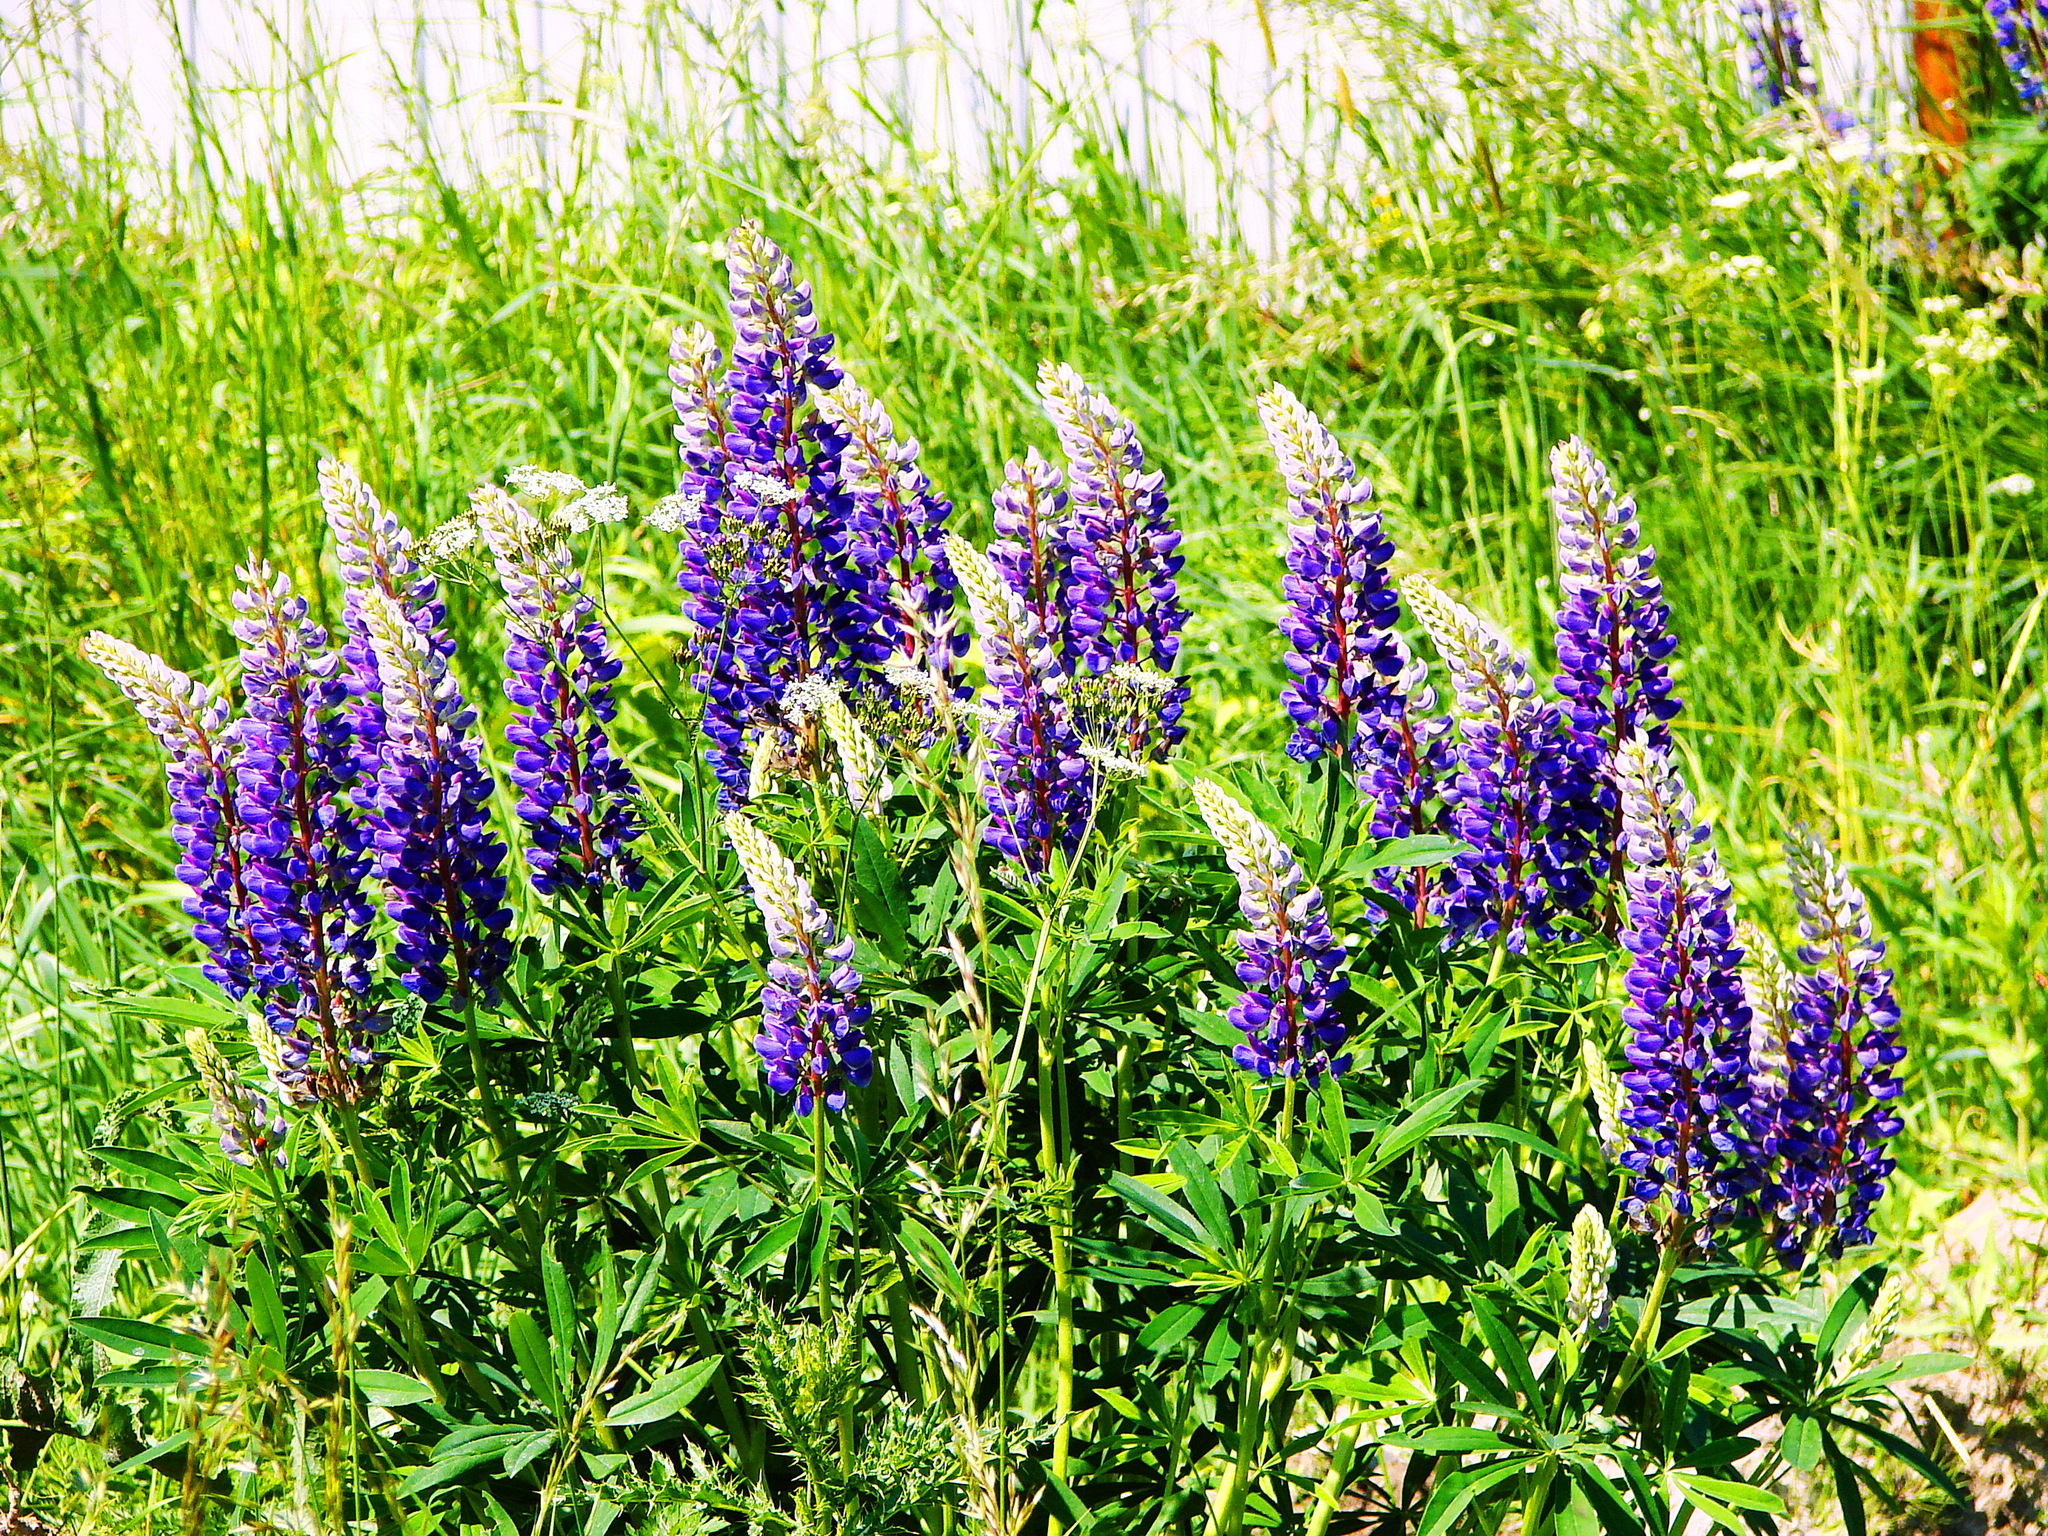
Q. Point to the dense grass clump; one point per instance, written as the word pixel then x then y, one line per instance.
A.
pixel 1819 363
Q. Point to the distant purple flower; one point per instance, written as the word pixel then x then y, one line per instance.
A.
pixel 575 796
pixel 1779 69
pixel 1030 547
pixel 1514 799
pixel 435 849
pixel 1613 633
pixel 190 721
pixel 811 1012
pixel 1689 1049
pixel 896 550
pixel 2021 27
pixel 305 861
pixel 1402 755
pixel 1123 598
pixel 1838 1110
pixel 1291 958
pixel 1340 606
pixel 1035 775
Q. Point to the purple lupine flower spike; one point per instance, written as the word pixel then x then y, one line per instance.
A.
pixel 1688 1054
pixel 811 1009
pixel 435 849
pixel 1124 593
pixel 1402 754
pixel 1779 69
pixel 250 1125
pixel 2021 28
pixel 575 796
pixel 1291 958
pixel 375 553
pixel 1030 547
pixel 1838 1111
pixel 190 721
pixel 1613 632
pixel 1340 605
pixel 897 549
pixel 1514 797
pixel 1035 775
pixel 305 859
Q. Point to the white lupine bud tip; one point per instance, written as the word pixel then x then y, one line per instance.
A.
pixel 780 892
pixel 1590 1251
pixel 861 762
pixel 988 595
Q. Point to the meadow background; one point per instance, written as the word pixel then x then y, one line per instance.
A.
pixel 1459 233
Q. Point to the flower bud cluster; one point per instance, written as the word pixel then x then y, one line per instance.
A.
pixel 250 1125
pixel 2021 28
pixel 1291 958
pixel 811 1010
pixel 1030 547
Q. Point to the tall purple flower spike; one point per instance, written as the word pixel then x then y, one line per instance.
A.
pixel 435 849
pixel 1124 593
pixel 898 575
pixel 1341 608
pixel 422 784
pixel 1291 958
pixel 811 1010
pixel 1613 633
pixel 1036 779
pixel 1839 1108
pixel 1779 69
pixel 305 859
pixel 575 796
pixel 1689 1053
pixel 1030 547
pixel 190 722
pixel 1403 756
pixel 1515 797
pixel 2021 27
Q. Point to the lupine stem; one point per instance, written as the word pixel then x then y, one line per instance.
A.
pixel 1647 1327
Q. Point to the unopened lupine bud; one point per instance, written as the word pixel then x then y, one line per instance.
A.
pixel 1879 1324
pixel 250 1127
pixel 1604 1088
pixel 1590 1249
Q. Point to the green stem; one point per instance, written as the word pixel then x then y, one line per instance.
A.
pixel 1647 1328
pixel 1335 1481
pixel 824 1211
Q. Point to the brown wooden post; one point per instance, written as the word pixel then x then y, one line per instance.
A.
pixel 1939 71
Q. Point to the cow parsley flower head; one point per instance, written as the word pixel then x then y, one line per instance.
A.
pixel 811 1010
pixel 1291 958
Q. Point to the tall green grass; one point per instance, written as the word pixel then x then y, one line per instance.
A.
pixel 1510 241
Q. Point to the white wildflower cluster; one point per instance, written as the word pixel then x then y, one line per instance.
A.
pixel 1979 343
pixel 911 677
pixel 1741 197
pixel 765 489
pixel 806 699
pixel 599 505
pixel 1763 168
pixel 1748 270
pixel 1141 679
pixel 1113 764
pixel 537 484
pixel 1863 378
pixel 2011 485
pixel 450 542
pixel 672 514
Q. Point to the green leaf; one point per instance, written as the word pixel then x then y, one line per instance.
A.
pixel 770 1246
pixel 1169 1327
pixel 1800 1441
pixel 1735 1495
pixel 522 1454
pixel 929 1256
pixel 665 1397
pixel 1852 1306
pixel 1198 1184
pixel 1455 1492
pixel 156 1452
pixel 391 1389
pixel 1165 1216
pixel 265 1308
pixel 879 899
pixel 1905 1368
pixel 536 1359
pixel 1418 1124
pixel 132 1336
pixel 1452 1440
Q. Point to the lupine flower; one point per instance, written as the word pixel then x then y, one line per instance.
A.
pixel 1291 958
pixel 1613 631
pixel 1689 1053
pixel 1035 779
pixel 435 850
pixel 305 857
pixel 1514 797
pixel 2021 27
pixel 250 1126
pixel 897 551
pixel 1590 1270
pixel 1030 547
pixel 575 795
pixel 765 561
pixel 1879 1324
pixel 190 722
pixel 1837 1112
pixel 1779 69
pixel 1604 1088
pixel 1402 754
pixel 862 767
pixel 1768 987
pixel 1340 606
pixel 1123 597
pixel 375 553
pixel 811 1012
